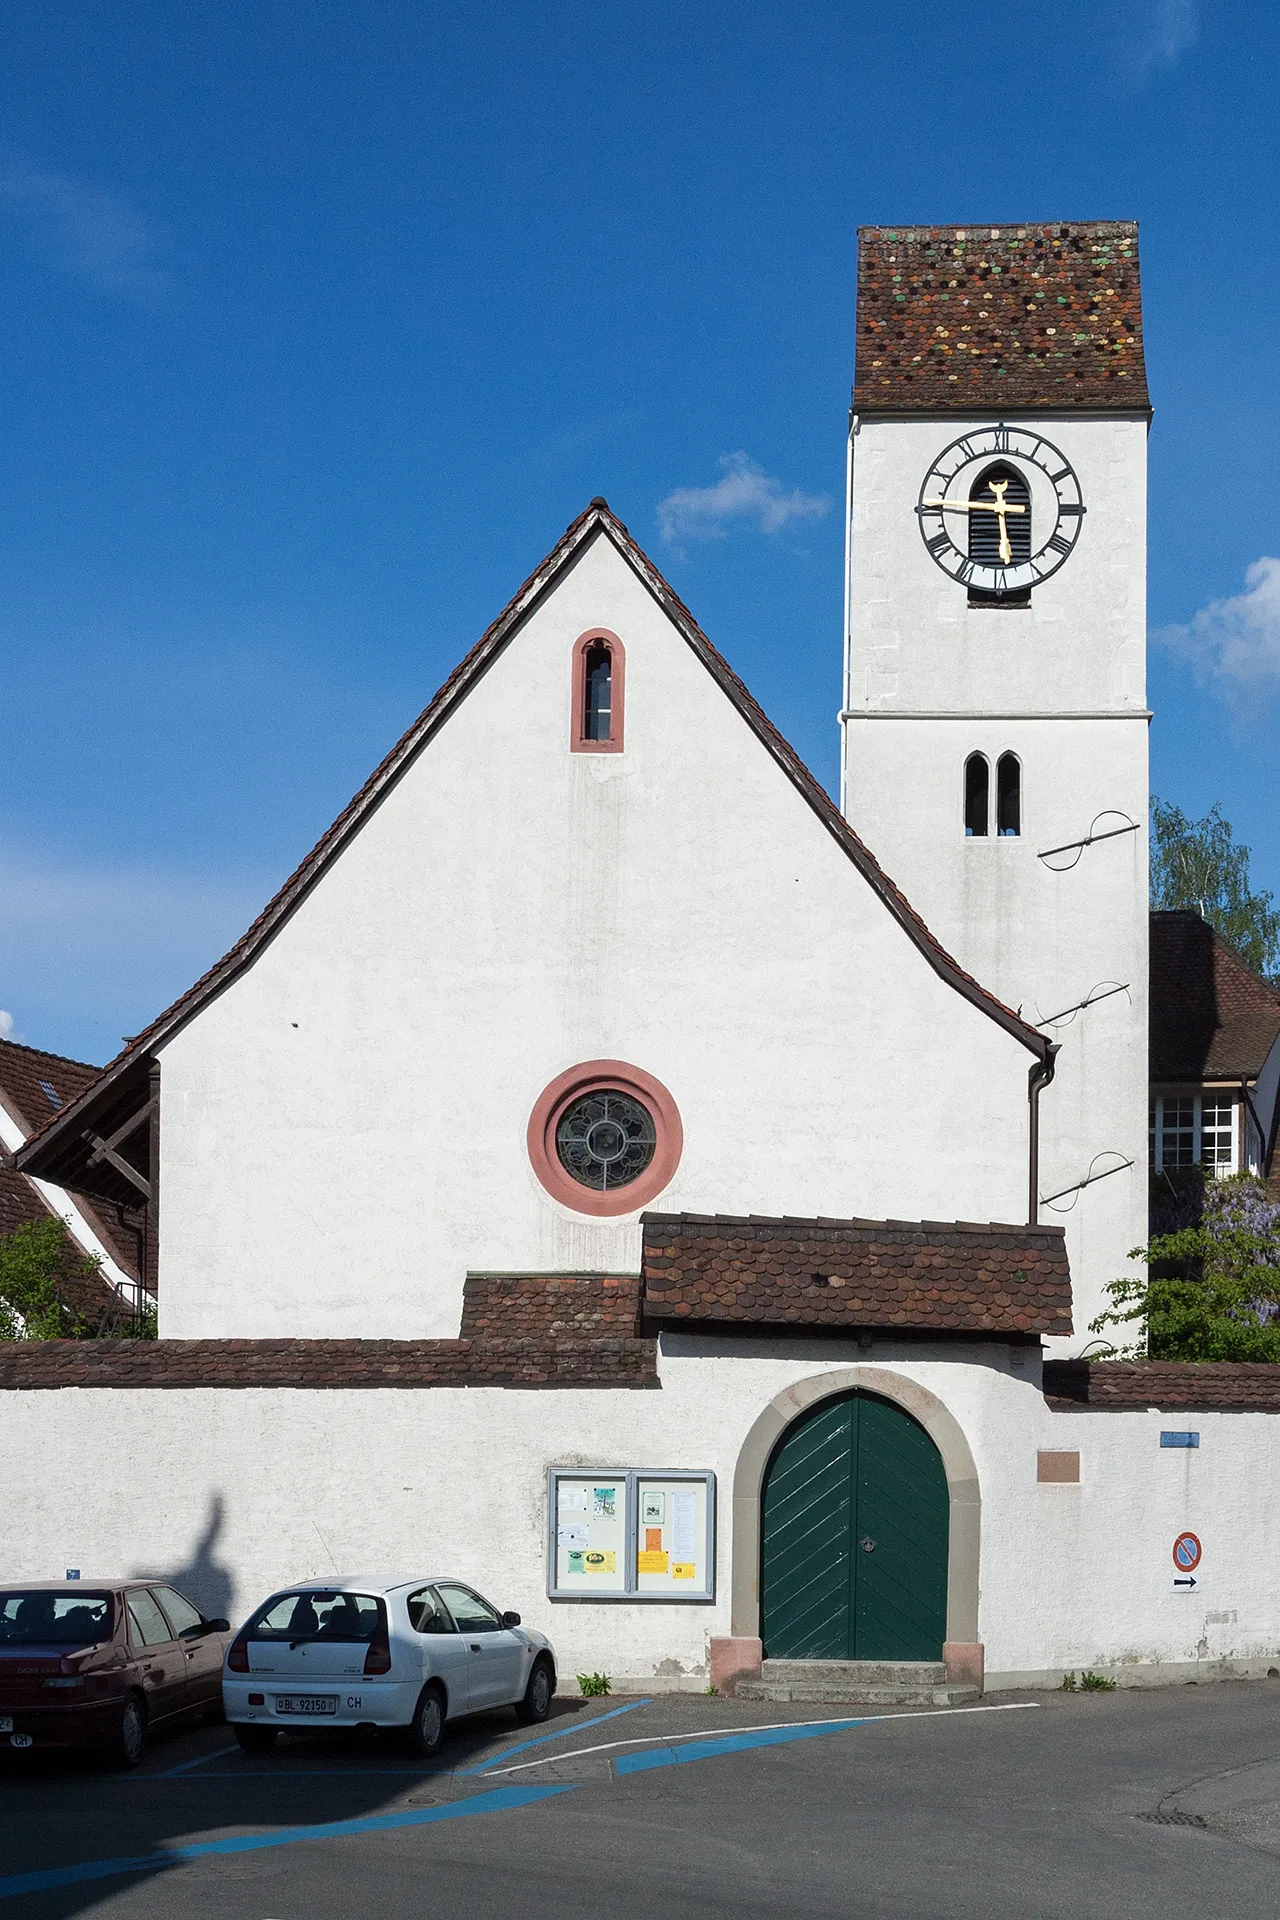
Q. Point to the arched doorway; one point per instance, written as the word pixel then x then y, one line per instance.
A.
pixel 854 1521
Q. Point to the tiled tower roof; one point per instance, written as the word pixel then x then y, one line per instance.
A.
pixel 1000 319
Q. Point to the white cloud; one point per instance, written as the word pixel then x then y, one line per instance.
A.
pixel 746 492
pixel 90 232
pixel 6 1025
pixel 1172 27
pixel 1235 643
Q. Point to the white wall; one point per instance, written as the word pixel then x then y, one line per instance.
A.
pixel 1061 684
pixel 295 1484
pixel 343 1130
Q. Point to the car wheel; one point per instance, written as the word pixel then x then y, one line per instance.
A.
pixel 255 1739
pixel 426 1729
pixel 536 1704
pixel 130 1738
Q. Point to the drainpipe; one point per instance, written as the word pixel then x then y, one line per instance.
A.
pixel 1244 1133
pixel 1037 1080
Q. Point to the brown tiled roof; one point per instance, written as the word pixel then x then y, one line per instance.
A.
pixel 1000 319
pixel 48 1149
pixel 842 1275
pixel 1212 1016
pixel 518 1330
pixel 35 1364
pixel 26 1075
pixel 1241 1386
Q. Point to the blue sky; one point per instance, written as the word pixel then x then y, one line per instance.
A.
pixel 323 320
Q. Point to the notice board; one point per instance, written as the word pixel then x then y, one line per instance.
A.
pixel 631 1533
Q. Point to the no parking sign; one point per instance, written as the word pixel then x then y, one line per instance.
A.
pixel 1186 1558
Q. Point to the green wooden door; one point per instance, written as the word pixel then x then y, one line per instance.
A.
pixel 854 1537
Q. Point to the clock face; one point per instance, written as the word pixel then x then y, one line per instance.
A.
pixel 1000 510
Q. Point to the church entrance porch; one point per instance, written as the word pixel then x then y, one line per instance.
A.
pixel 854 1526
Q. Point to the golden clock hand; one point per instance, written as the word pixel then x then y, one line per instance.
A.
pixel 1000 488
pixel 975 506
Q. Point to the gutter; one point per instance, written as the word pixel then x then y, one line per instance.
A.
pixel 1038 1078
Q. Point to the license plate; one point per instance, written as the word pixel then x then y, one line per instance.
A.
pixel 6 1723
pixel 21 1740
pixel 306 1703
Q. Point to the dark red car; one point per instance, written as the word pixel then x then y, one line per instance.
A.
pixel 99 1664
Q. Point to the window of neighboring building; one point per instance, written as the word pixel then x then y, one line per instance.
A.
pixel 598 672
pixel 1008 795
pixel 977 783
pixel 1187 1129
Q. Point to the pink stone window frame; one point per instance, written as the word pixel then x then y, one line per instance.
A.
pixel 604 1076
pixel 578 742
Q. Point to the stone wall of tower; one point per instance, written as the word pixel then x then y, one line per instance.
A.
pixel 1061 684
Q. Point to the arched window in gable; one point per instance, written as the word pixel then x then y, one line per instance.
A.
pixel 599 667
pixel 977 784
pixel 1008 795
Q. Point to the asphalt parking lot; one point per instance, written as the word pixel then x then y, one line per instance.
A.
pixel 1029 1806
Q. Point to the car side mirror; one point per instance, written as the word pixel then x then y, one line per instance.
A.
pixel 217 1626
pixel 511 1619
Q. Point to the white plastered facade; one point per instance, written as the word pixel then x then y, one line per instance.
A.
pixel 343 1129
pixel 237 1492
pixel 1061 684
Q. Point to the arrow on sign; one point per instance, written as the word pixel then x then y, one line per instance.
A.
pixel 1188 1580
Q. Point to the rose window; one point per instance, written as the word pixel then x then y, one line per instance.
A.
pixel 606 1139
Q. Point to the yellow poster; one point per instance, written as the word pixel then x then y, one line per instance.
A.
pixel 683 1570
pixel 651 1563
pixel 598 1563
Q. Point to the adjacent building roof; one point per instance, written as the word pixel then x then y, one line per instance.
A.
pixel 59 1152
pixel 1135 1386
pixel 835 1276
pixel 1212 1016
pixel 1000 319
pixel 35 1086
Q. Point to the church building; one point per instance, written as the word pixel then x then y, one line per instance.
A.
pixel 614 1173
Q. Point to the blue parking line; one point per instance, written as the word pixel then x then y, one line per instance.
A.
pixel 561 1733
pixel 500 1800
pixel 731 1743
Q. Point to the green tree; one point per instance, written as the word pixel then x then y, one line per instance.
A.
pixel 40 1272
pixel 1198 865
pixel 1211 1291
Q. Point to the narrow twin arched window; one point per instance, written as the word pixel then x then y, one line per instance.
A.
pixel 977 783
pixel 1008 795
pixel 977 796
pixel 599 667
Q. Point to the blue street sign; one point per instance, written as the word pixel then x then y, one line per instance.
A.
pixel 1179 1439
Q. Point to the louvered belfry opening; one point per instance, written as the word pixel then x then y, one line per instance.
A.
pixel 984 527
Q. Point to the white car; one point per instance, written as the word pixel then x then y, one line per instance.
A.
pixel 361 1653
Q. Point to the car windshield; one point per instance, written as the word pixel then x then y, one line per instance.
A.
pixel 319 1616
pixel 43 1619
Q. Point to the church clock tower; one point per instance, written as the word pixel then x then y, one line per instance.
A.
pixel 995 720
